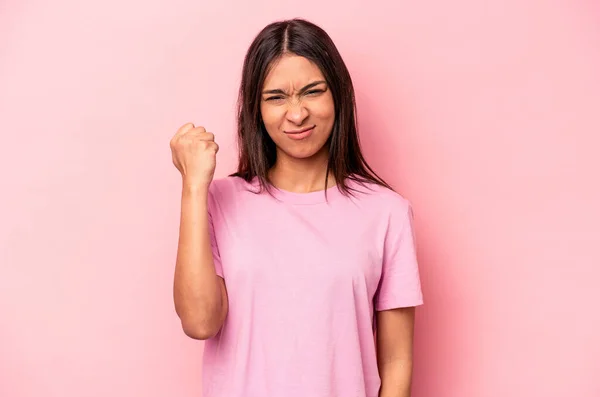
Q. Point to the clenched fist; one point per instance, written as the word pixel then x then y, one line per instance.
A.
pixel 194 154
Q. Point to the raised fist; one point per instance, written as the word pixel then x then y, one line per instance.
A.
pixel 194 154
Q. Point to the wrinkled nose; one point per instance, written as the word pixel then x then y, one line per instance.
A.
pixel 296 113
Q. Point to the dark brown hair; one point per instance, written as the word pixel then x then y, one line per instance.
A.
pixel 257 151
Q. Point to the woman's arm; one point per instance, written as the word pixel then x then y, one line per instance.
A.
pixel 200 295
pixel 395 330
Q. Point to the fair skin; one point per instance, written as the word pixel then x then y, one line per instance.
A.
pixel 199 295
pixel 298 112
pixel 295 98
pixel 395 330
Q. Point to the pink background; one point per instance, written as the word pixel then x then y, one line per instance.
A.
pixel 486 115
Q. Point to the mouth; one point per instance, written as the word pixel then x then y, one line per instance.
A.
pixel 300 134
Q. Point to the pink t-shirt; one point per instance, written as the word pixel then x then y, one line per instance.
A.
pixel 304 277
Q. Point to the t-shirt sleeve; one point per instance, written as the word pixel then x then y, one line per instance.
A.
pixel 213 222
pixel 400 284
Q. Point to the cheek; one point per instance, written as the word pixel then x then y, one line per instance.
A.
pixel 272 122
pixel 324 110
pixel 270 116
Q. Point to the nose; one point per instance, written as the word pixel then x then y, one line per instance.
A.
pixel 296 113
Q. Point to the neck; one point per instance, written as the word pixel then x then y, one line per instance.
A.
pixel 301 175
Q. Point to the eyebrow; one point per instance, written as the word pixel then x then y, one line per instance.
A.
pixel 302 90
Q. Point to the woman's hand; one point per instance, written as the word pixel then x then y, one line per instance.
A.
pixel 194 153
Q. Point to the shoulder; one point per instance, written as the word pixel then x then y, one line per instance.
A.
pixel 227 191
pixel 228 187
pixel 381 197
pixel 392 211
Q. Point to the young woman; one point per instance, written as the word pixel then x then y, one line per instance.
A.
pixel 290 266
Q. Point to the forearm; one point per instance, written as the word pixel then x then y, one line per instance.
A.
pixel 197 290
pixel 396 378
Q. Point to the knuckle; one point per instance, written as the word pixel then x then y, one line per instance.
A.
pixel 185 128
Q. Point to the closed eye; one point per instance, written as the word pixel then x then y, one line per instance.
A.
pixel 280 97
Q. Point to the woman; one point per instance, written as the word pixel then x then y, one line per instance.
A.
pixel 289 266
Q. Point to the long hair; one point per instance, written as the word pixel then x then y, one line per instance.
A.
pixel 257 151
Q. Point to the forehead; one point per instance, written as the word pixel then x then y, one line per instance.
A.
pixel 292 70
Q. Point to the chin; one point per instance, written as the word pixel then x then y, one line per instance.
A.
pixel 304 151
pixel 302 155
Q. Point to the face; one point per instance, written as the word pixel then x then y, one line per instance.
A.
pixel 297 107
